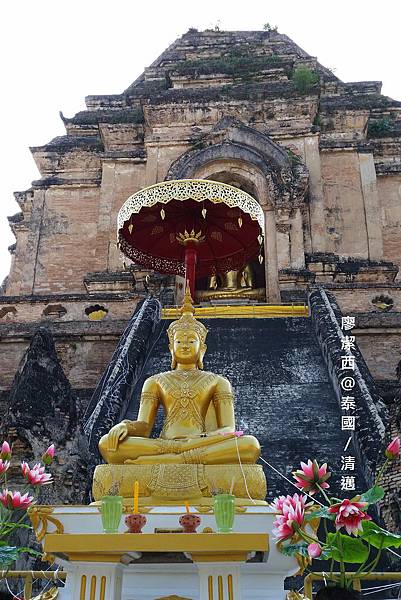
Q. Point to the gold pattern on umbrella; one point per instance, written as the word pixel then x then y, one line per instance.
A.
pixel 161 227
pixel 185 238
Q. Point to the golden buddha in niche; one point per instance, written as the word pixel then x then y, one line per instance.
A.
pixel 199 425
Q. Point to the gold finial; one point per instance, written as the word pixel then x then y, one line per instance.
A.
pixel 185 238
pixel 187 306
pixel 187 320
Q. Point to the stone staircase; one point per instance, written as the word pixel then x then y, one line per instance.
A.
pixel 284 395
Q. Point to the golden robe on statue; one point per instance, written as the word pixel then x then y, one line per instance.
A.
pixel 199 425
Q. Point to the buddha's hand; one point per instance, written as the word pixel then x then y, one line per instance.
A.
pixel 117 434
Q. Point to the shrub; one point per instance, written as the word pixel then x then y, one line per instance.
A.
pixel 380 128
pixel 304 79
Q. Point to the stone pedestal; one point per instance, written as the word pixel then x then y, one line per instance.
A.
pixel 175 482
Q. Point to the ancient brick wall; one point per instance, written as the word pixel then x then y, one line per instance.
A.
pixel 391 504
pixel 344 210
pixel 389 188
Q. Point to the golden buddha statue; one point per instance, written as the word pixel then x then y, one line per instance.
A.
pixel 185 393
pixel 232 285
pixel 199 426
pixel 232 281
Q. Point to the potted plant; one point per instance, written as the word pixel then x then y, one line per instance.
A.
pixel 349 535
pixel 15 504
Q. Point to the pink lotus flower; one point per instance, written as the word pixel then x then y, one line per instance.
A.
pixel 4 466
pixel 310 476
pixel 5 452
pixel 292 516
pixel 25 468
pixel 314 550
pixel 36 475
pixel 393 449
pixel 293 501
pixel 15 501
pixel 349 515
pixel 48 456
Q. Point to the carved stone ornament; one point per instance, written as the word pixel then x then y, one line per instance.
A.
pixel 283 227
pixel 230 139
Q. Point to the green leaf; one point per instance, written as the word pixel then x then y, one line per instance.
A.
pixel 293 549
pixel 344 548
pixel 373 495
pixel 30 551
pixel 18 526
pixel 8 554
pixel 325 555
pixel 321 512
pixel 378 537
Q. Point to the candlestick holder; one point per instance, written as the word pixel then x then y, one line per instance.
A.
pixel 135 523
pixel 189 522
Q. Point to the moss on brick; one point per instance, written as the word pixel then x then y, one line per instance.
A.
pixel 238 62
pixel 383 127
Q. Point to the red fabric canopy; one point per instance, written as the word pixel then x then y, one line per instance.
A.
pixel 151 241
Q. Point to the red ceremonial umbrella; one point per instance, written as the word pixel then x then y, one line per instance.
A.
pixel 178 235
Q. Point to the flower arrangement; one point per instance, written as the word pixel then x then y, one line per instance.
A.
pixel 14 505
pixel 348 536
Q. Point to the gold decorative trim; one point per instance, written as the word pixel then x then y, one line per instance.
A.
pixel 244 294
pixel 92 594
pixel 102 594
pixel 204 547
pixel 253 311
pixel 191 189
pixel 82 592
pixel 51 594
pixel 40 517
pixel 173 482
pixel 210 587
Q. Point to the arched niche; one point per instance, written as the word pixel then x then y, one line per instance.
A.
pixel 244 157
pixel 250 179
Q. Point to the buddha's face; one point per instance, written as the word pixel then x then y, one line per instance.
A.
pixel 186 347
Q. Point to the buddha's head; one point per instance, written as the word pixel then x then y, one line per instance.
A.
pixel 187 337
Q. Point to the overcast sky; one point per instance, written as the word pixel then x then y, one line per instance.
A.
pixel 56 52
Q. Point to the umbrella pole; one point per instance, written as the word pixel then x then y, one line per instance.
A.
pixel 190 267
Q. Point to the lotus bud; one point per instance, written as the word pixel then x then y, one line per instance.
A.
pixel 48 456
pixel 5 453
pixel 314 550
pixel 393 449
